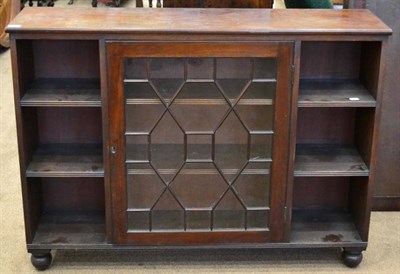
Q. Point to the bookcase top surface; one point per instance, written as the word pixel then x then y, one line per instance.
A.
pixel 211 21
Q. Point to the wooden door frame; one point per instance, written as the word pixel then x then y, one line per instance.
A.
pixel 116 51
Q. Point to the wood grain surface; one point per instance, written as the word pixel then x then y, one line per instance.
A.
pixel 387 188
pixel 217 4
pixel 266 21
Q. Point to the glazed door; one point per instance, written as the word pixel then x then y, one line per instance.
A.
pixel 198 141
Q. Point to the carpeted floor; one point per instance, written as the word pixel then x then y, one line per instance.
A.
pixel 382 255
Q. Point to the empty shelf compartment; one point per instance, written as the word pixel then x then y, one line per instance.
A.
pixel 67 160
pixel 63 93
pixel 329 160
pixel 334 93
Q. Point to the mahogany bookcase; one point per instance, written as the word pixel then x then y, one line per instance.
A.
pixel 200 128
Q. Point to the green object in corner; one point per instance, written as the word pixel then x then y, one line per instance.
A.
pixel 309 4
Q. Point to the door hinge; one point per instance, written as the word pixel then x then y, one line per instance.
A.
pixel 292 69
pixel 285 214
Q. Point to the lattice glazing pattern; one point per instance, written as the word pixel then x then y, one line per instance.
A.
pixel 199 135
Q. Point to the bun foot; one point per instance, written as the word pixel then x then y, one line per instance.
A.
pixel 352 258
pixel 41 261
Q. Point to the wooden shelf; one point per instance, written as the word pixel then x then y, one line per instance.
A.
pixel 66 228
pixel 328 160
pixel 66 160
pixel 334 93
pixel 323 227
pixel 63 93
pixel 309 228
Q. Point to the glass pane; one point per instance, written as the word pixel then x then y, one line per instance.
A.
pixel 138 220
pixel 264 92
pixel 229 213
pixel 257 219
pixel 187 136
pixel 135 68
pixel 167 220
pixel 167 147
pixel 201 92
pixel 142 102
pixel 137 148
pixel 253 185
pixel 256 117
pixel 167 76
pixel 265 68
pixel 149 114
pixel 198 186
pixel 261 147
pixel 233 74
pixel 199 147
pixel 167 88
pixel 199 107
pixel 200 68
pixel 203 118
pixel 143 90
pixel 198 219
pixel 167 68
pixel 231 147
pixel 234 68
pixel 143 186
pixel 167 214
